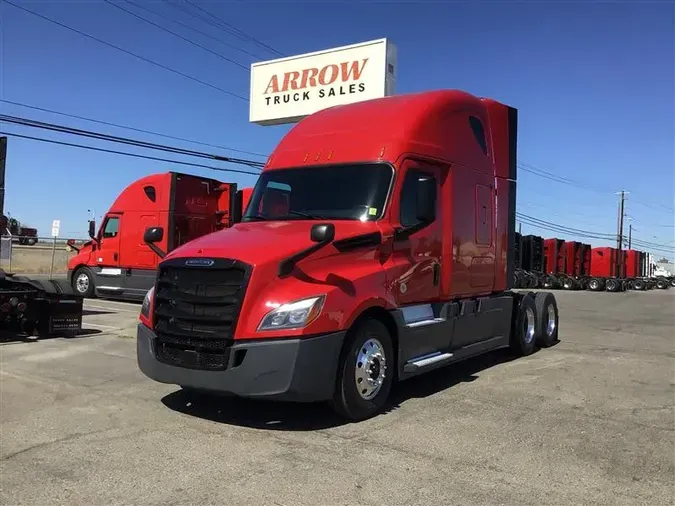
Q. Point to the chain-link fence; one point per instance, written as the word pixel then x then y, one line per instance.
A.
pixel 47 257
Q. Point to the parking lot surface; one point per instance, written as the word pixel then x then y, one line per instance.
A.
pixel 589 421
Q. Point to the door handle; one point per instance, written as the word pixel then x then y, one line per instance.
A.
pixel 115 256
pixel 437 274
pixel 484 214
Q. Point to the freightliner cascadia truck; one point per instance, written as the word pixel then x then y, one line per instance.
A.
pixel 377 245
pixel 117 263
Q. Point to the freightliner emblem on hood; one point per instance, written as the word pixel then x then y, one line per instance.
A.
pixel 200 262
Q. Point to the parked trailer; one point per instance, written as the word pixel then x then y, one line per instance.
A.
pixel 29 307
pixel 607 270
pixel 393 257
pixel 577 265
pixel 530 273
pixel 555 265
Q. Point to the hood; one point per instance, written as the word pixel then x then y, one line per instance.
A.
pixel 261 242
pixel 82 256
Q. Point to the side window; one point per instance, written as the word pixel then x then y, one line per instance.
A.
pixel 478 132
pixel 112 226
pixel 408 214
pixel 150 192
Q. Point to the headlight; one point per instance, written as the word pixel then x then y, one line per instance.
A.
pixel 145 308
pixel 293 315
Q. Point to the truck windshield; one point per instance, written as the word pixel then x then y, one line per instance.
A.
pixel 338 192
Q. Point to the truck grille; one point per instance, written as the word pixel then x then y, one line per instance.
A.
pixel 195 312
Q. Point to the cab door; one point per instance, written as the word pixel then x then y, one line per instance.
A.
pixel 416 278
pixel 108 274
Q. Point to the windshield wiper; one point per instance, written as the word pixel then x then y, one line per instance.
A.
pixel 255 217
pixel 307 215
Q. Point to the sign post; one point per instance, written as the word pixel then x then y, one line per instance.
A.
pixel 56 226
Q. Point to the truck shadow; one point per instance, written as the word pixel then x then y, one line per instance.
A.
pixel 9 337
pixel 93 312
pixel 286 416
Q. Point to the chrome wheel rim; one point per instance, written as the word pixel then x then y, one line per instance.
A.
pixel 529 325
pixel 371 366
pixel 550 324
pixel 82 283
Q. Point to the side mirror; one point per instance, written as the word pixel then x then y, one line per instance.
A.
pixel 92 228
pixel 153 235
pixel 426 199
pixel 322 232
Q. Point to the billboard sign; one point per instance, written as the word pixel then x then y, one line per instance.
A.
pixel 286 90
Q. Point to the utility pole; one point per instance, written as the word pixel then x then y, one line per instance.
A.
pixel 520 227
pixel 630 234
pixel 3 157
pixel 619 235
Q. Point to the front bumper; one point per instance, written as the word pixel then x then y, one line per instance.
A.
pixel 301 370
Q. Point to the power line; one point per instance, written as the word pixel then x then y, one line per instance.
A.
pixel 554 227
pixel 125 140
pixel 208 35
pixel 236 31
pixel 570 230
pixel 135 155
pixel 126 127
pixel 142 58
pixel 563 180
pixel 196 44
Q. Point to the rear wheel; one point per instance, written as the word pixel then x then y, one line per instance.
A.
pixel 569 284
pixel 524 327
pixel 366 371
pixel 612 285
pixel 661 284
pixel 638 284
pixel 547 319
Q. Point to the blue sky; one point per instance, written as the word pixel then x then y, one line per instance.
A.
pixel 593 83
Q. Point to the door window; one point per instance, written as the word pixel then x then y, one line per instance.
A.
pixel 112 226
pixel 408 211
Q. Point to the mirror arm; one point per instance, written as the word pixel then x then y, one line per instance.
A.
pixel 401 234
pixel 286 266
pixel 157 251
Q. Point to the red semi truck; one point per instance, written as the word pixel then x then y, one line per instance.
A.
pixel 117 263
pixel 377 245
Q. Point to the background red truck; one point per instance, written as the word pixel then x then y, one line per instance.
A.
pixel 377 245
pixel 117 263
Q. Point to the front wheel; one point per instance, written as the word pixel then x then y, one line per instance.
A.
pixel 366 371
pixel 83 282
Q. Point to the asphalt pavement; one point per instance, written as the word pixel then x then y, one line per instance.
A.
pixel 589 421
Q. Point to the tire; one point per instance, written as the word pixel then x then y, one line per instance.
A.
pixel 351 399
pixel 638 284
pixel 568 284
pixel 85 288
pixel 524 327
pixel 661 284
pixel 31 241
pixel 594 285
pixel 612 285
pixel 547 319
pixel 672 282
